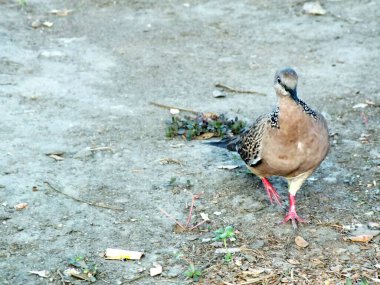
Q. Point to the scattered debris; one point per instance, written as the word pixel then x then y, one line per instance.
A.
pixel 170 160
pixel 360 105
pixel 61 13
pixel 156 270
pixel 293 261
pixel 174 111
pixel 56 157
pixel 21 206
pixel 218 94
pixel 42 273
pixel 80 200
pixel 171 107
pixel 236 90
pixel 120 254
pixel 364 138
pixel 362 233
pixel 100 148
pixel 313 8
pixel 227 250
pixel 179 226
pixel 301 242
pixel 81 269
pixel 228 167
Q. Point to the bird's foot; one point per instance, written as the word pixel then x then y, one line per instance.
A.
pixel 292 215
pixel 272 193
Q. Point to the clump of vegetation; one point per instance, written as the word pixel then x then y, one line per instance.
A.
pixel 203 126
pixel 224 234
pixel 84 269
pixel 192 271
pixel 363 281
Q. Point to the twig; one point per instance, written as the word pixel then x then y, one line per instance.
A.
pixel 62 277
pixel 172 107
pixel 172 218
pixel 100 148
pixel 258 279
pixel 190 211
pixel 80 200
pixel 236 90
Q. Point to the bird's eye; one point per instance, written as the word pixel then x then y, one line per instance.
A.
pixel 278 80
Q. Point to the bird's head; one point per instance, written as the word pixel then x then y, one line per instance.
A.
pixel 285 82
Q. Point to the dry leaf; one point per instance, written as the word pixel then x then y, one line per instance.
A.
pixel 204 136
pixel 229 167
pixel 313 8
pixel 360 105
pixel 301 242
pixel 21 206
pixel 254 271
pixel 361 238
pixel 210 115
pixel 156 270
pixel 47 24
pixel 42 273
pixel 120 254
pixel 56 157
pixel 174 111
pixel 61 13
pixel 227 250
pixel 293 261
pixel 204 216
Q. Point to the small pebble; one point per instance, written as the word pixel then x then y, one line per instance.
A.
pixel 218 94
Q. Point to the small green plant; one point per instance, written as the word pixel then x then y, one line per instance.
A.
pixel 22 2
pixel 87 271
pixel 224 234
pixel 362 281
pixel 193 272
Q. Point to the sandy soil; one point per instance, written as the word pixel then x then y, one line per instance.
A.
pixel 81 89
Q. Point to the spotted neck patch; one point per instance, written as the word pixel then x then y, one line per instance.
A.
pixel 307 109
pixel 274 119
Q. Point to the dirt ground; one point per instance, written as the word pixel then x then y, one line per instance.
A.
pixel 81 89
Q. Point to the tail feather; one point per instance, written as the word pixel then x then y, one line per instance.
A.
pixel 227 143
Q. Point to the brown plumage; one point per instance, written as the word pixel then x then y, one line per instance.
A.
pixel 290 142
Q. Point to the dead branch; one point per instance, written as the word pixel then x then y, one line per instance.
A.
pixel 236 90
pixel 80 200
pixel 172 107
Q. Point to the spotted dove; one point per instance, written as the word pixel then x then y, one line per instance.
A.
pixel 290 142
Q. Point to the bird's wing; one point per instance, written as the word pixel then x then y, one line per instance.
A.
pixel 249 145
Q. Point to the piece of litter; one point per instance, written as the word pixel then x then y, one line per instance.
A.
pixel 174 111
pixel 21 206
pixel 218 94
pixel 293 261
pixel 42 273
pixel 47 24
pixel 360 105
pixel 313 8
pixel 156 270
pixel 120 254
pixel 56 157
pixel 361 238
pixel 227 250
pixel 228 167
pixel 61 13
pixel 301 242
pixel 204 216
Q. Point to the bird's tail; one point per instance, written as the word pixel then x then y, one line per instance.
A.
pixel 227 143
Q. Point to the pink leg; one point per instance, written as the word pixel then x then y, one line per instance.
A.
pixel 272 194
pixel 292 214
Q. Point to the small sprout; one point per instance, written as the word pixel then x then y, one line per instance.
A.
pixel 193 272
pixel 224 234
pixel 172 181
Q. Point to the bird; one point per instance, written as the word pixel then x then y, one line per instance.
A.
pixel 290 142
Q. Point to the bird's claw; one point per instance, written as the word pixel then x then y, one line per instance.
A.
pixel 272 193
pixel 292 215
